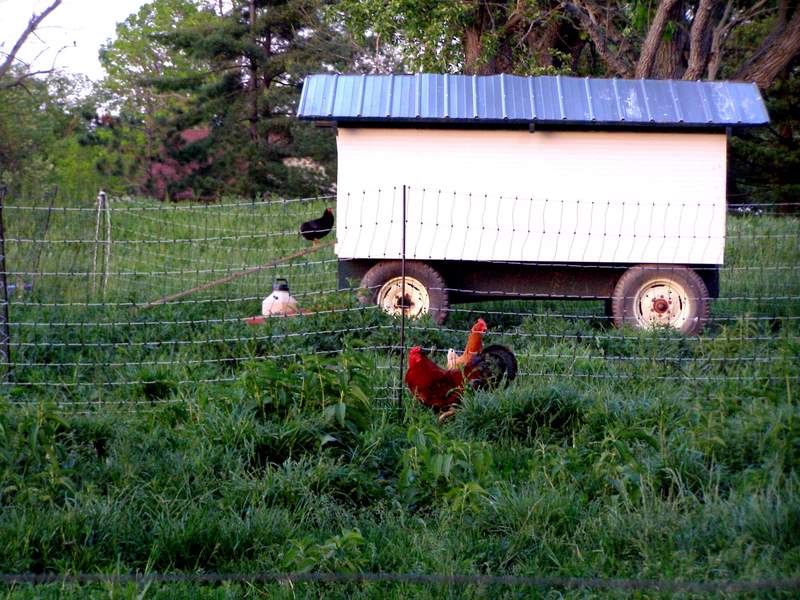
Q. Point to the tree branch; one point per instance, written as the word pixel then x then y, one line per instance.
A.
pixel 600 36
pixel 32 25
pixel 19 80
pixel 723 29
pixel 651 43
pixel 698 36
pixel 515 18
pixel 764 66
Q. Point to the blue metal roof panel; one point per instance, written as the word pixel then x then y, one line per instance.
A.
pixel 604 100
pixel 489 98
pixel 373 104
pixel 693 107
pixel 547 99
pixel 432 96
pixel 631 102
pixel 345 99
pixel 660 99
pixel 517 98
pixel 750 105
pixel 576 102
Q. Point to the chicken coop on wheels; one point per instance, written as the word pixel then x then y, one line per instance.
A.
pixel 512 187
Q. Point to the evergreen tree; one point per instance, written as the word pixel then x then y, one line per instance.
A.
pixel 258 51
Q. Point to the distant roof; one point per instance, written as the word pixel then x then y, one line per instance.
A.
pixel 551 100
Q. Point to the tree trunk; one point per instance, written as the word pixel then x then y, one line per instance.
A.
pixel 714 58
pixel 149 127
pixel 617 61
pixel 472 50
pixel 670 56
pixel 700 40
pixel 253 83
pixel 266 108
pixel 539 47
pixel 718 37
pixel 644 67
pixel 768 63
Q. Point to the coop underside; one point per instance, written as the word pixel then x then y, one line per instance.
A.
pixel 470 281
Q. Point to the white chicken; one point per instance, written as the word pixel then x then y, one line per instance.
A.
pixel 280 302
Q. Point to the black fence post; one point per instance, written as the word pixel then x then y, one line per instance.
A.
pixel 5 336
pixel 402 306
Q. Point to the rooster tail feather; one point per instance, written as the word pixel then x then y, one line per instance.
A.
pixel 495 365
pixel 452 359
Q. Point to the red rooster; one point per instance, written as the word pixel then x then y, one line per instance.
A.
pixel 474 345
pixel 434 386
pixel 441 389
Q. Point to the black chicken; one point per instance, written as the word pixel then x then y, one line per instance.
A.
pixel 316 229
pixel 497 364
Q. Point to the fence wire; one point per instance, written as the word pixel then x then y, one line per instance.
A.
pixel 107 298
pixel 543 583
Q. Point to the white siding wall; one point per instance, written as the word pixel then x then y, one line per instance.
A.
pixel 621 197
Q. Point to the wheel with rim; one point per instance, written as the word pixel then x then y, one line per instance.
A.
pixel 648 296
pixel 424 290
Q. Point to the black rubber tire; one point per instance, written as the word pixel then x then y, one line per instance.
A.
pixel 608 310
pixel 638 277
pixel 434 284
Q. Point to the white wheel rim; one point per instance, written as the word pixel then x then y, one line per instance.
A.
pixel 417 301
pixel 661 303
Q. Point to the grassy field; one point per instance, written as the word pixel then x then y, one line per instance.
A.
pixel 179 439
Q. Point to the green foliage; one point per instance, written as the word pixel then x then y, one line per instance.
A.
pixel 133 61
pixel 338 389
pixel 338 554
pixel 564 479
pixel 435 466
pixel 428 34
pixel 34 462
pixel 176 66
pixel 135 56
pixel 765 163
pixel 44 128
pixel 25 133
pixel 521 415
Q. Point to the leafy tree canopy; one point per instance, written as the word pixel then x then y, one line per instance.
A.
pixel 200 95
pixel 687 39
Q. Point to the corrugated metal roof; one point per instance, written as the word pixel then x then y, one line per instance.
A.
pixel 551 100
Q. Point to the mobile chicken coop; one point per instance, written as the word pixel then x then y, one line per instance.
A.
pixel 533 187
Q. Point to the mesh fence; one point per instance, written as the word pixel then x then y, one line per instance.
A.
pixel 124 304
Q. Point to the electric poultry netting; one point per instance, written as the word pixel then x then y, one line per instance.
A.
pixel 136 303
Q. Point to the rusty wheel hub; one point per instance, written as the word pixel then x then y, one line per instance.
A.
pixel 660 305
pixel 416 301
pixel 661 302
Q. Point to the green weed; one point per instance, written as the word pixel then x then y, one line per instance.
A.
pixel 178 438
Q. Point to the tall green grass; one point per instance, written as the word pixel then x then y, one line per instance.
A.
pixel 179 439
pixel 300 470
